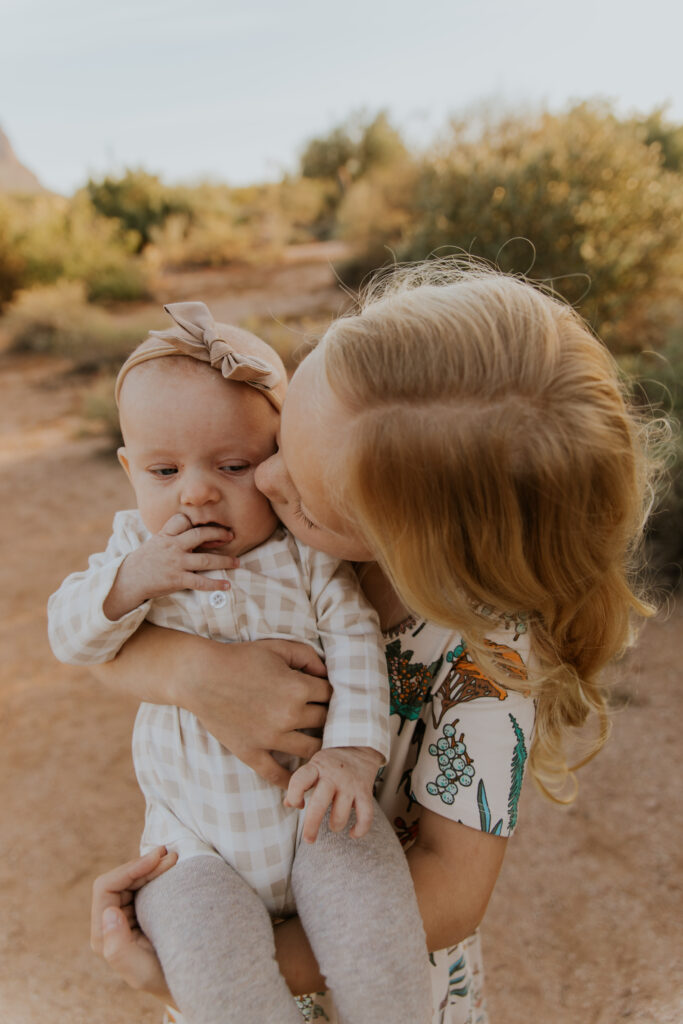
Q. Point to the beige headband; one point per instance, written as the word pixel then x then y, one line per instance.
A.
pixel 228 349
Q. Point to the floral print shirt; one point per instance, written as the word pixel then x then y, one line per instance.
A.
pixel 459 746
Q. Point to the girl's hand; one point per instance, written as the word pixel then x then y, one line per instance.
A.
pixel 253 697
pixel 282 689
pixel 342 778
pixel 166 562
pixel 115 934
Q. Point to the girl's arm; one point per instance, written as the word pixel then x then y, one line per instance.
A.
pixel 454 871
pixel 253 697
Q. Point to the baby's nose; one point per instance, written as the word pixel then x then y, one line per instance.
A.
pixel 198 490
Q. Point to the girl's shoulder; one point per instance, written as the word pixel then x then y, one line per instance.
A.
pixel 506 642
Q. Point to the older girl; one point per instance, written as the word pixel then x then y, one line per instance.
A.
pixel 466 432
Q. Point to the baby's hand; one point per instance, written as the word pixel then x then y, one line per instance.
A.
pixel 166 562
pixel 343 778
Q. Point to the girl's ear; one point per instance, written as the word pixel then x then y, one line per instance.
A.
pixel 123 459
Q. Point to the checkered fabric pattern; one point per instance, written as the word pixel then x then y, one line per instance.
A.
pixel 200 797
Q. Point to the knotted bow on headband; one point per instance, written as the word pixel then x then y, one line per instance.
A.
pixel 228 349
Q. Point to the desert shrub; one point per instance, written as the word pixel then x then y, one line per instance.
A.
pixel 253 224
pixel 12 267
pixel 58 319
pixel 218 229
pixel 60 238
pixel 581 199
pixel 668 136
pixel 291 337
pixel 378 216
pixel 123 282
pixel 658 383
pixel 100 407
pixel 138 201
pixel 306 208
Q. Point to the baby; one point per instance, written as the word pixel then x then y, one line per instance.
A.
pixel 199 407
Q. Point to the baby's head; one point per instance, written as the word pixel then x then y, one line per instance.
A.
pixel 199 409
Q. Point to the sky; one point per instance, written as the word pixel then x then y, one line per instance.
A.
pixel 230 90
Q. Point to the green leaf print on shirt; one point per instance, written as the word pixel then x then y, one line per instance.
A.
pixel 456 767
pixel 485 812
pixel 519 756
pixel 410 682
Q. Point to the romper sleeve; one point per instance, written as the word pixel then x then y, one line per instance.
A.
pixel 349 632
pixel 477 736
pixel 78 630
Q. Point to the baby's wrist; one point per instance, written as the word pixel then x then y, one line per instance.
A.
pixel 367 754
pixel 130 588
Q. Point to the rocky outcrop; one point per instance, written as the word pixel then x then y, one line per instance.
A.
pixel 14 177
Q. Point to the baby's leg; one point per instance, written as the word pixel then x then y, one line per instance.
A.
pixel 356 901
pixel 214 939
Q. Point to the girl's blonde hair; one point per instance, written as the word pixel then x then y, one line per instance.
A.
pixel 494 464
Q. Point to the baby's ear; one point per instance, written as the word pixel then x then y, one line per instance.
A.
pixel 123 459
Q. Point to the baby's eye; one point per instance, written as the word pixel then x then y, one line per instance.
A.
pixel 234 467
pixel 163 471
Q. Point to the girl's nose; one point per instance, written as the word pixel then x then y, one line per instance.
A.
pixel 272 479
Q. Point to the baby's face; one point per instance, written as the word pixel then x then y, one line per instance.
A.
pixel 192 443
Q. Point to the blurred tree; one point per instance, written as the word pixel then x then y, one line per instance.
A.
pixel 352 149
pixel 140 201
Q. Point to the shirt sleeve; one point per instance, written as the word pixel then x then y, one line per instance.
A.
pixel 79 631
pixel 477 737
pixel 349 632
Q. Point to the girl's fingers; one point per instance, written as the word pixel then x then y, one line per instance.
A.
pixel 167 861
pixel 313 716
pixel 129 953
pixel 116 887
pixel 265 765
pixel 298 744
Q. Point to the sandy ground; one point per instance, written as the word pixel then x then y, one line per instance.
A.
pixel 586 923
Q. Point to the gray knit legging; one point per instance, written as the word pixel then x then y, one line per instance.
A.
pixel 356 901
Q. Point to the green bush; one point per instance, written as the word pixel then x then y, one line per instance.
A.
pixel 138 201
pixel 579 199
pixel 123 282
pixel 58 238
pixel 100 407
pixel 12 267
pixel 658 383
pixel 353 148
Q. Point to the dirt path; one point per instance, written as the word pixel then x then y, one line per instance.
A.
pixel 585 926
